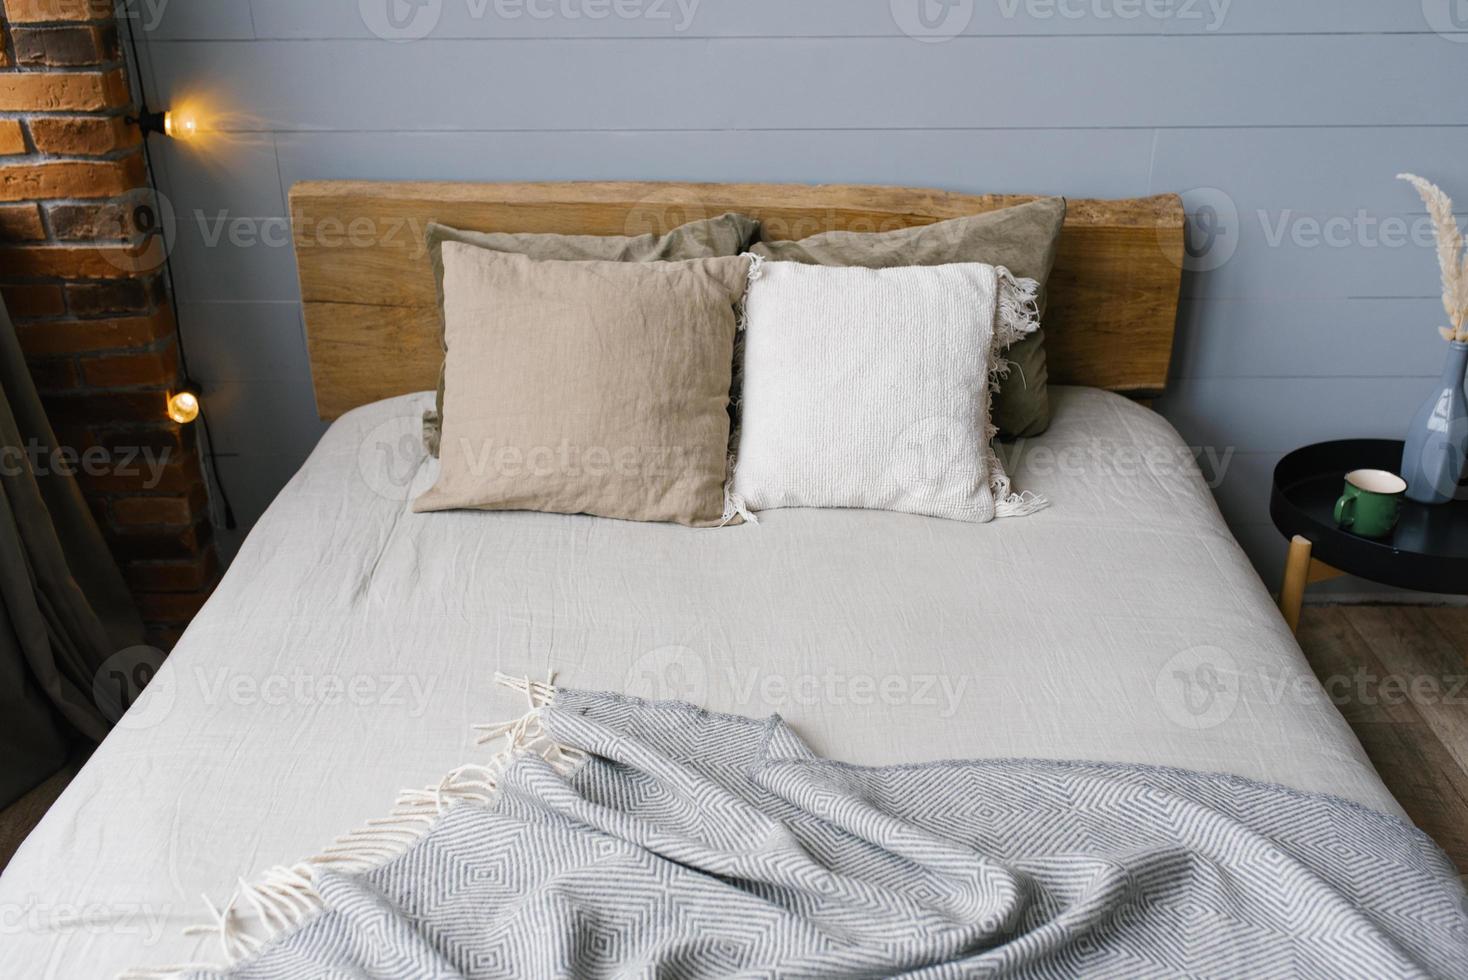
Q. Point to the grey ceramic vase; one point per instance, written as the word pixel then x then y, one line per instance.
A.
pixel 1437 443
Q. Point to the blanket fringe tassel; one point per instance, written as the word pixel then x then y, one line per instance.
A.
pixel 734 504
pixel 1017 315
pixel 283 898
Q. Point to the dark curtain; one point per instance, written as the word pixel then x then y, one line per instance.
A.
pixel 64 609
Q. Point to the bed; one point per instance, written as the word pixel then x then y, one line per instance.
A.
pixel 353 643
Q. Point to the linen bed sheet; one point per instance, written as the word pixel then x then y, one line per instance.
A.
pixel 353 643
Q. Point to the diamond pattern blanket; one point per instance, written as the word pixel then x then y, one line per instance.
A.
pixel 689 844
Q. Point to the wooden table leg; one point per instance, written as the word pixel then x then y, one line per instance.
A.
pixel 1296 576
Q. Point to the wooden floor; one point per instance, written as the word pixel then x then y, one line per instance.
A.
pixel 1407 701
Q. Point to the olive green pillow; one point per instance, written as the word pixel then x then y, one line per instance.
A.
pixel 1023 239
pixel 711 238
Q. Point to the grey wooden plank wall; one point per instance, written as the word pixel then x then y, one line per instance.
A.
pixel 1283 124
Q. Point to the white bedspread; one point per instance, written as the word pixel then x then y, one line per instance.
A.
pixel 353 643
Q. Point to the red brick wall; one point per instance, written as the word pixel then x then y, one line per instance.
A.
pixel 91 308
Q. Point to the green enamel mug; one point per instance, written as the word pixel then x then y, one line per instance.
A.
pixel 1371 504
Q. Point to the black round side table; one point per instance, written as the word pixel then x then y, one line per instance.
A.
pixel 1428 551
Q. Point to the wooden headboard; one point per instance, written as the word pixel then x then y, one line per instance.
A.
pixel 370 299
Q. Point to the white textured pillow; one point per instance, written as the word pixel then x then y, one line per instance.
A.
pixel 869 388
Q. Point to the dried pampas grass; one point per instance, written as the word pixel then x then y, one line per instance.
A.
pixel 1449 255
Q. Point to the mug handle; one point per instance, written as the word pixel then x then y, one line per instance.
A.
pixel 1345 511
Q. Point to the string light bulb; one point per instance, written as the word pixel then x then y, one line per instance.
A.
pixel 179 124
pixel 183 405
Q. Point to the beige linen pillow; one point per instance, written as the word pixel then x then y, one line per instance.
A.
pixel 1022 239
pixel 587 387
pixel 727 234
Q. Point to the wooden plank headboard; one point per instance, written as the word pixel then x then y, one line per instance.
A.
pixel 371 308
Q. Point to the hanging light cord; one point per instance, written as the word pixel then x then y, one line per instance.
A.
pixel 183 361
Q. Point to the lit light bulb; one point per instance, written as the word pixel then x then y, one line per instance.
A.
pixel 180 125
pixel 183 407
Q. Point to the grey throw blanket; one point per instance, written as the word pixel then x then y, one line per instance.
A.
pixel 691 844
